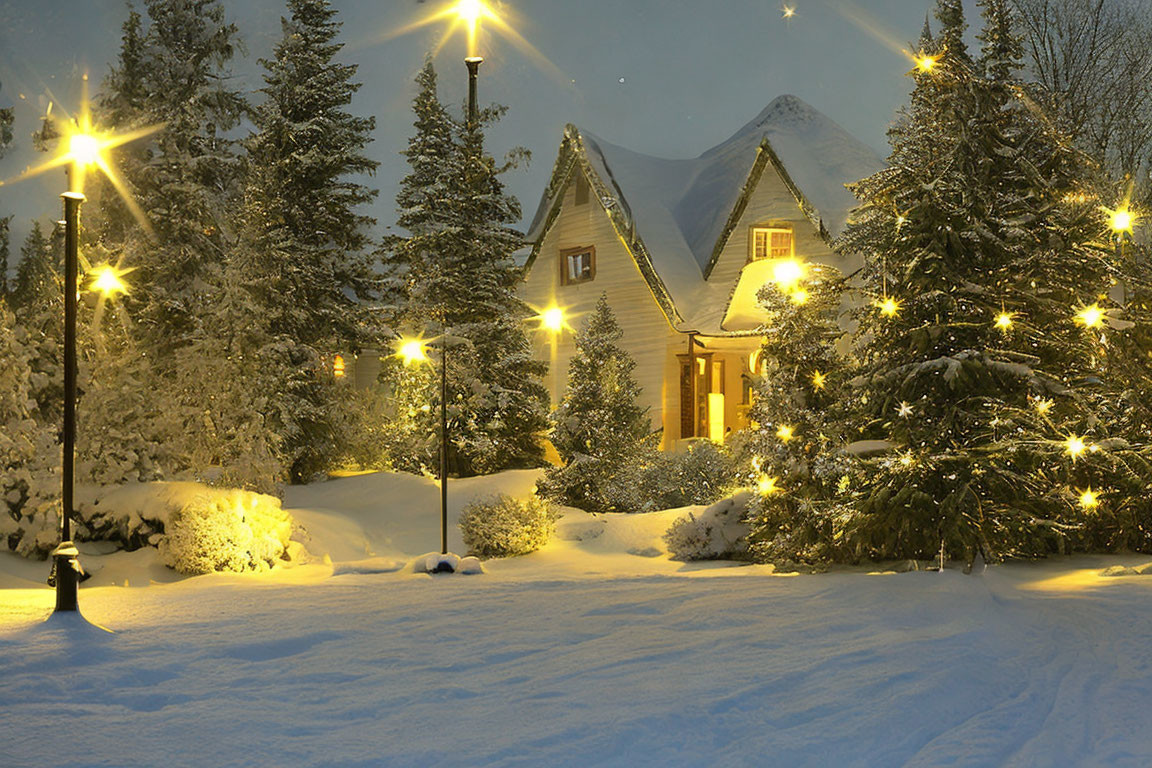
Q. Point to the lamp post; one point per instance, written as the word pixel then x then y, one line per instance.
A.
pixel 65 556
pixel 473 64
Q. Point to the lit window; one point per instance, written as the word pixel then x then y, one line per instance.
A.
pixel 577 265
pixel 338 366
pixel 772 243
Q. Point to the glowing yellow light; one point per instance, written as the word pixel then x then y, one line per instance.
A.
pixel 1089 499
pixel 471 11
pixel 553 319
pixel 786 273
pixel 889 307
pixel 84 149
pixel 785 432
pixel 907 459
pixel 338 366
pixel 800 296
pixel 412 351
pixel 1074 446
pixel 1120 220
pixel 926 63
pixel 1090 317
pixel 818 380
pixel 106 280
pixel 901 221
pixel 1004 320
pixel 788 11
pixel 904 410
pixel 767 486
pixel 1043 406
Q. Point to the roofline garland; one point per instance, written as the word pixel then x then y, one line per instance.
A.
pixel 623 223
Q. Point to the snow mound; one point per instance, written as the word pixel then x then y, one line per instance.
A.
pixel 372 565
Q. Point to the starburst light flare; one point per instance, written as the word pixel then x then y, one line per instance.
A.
pixel 786 273
pixel 889 307
pixel 1004 321
pixel 1121 220
pixel 1089 499
pixel 788 12
pixel 785 433
pixel 83 147
pixel 1074 446
pixel 475 16
pixel 412 351
pixel 767 486
pixel 1090 316
pixel 818 380
pixel 106 280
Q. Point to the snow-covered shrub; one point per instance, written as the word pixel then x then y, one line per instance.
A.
pixel 226 531
pixel 502 526
pixel 718 532
pixel 701 474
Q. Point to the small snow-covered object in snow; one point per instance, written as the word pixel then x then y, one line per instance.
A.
pixel 435 562
pixel 470 566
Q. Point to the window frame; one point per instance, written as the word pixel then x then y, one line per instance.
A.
pixel 769 230
pixel 568 253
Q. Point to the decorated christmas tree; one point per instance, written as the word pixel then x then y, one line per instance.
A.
pixel 796 468
pixel 984 320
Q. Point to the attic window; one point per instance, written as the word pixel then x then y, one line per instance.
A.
pixel 577 265
pixel 772 243
pixel 581 189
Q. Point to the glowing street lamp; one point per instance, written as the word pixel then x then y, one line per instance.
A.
pixel 83 148
pixel 106 281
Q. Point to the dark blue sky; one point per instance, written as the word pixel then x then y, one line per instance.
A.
pixel 656 76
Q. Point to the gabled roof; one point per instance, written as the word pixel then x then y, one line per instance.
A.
pixel 675 216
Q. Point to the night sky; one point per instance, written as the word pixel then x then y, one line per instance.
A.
pixel 657 77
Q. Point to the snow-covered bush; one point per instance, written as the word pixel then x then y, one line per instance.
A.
pixel 702 474
pixel 226 531
pixel 718 532
pixel 502 526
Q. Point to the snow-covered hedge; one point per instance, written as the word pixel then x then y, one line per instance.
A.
pixel 501 526
pixel 226 531
pixel 703 473
pixel 718 532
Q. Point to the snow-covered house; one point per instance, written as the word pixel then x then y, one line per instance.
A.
pixel 681 247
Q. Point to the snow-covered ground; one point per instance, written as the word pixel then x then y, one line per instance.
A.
pixel 595 651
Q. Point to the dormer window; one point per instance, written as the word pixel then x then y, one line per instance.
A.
pixel 772 243
pixel 577 265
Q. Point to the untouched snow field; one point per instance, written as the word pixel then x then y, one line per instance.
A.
pixel 583 654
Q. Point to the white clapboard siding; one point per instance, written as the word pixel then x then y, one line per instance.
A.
pixel 647 333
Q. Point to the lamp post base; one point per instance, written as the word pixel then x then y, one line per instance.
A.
pixel 66 574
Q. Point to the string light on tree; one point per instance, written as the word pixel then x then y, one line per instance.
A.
pixel 888 306
pixel 1074 446
pixel 785 433
pixel 1121 220
pixel 787 273
pixel 800 296
pixel 767 486
pixel 1004 321
pixel 904 410
pixel 818 380
pixel 1090 316
pixel 1042 405
pixel 1089 499
pixel 925 63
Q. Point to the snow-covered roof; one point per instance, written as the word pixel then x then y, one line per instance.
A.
pixel 676 215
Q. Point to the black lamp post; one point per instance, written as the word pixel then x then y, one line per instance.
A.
pixel 66 563
pixel 473 64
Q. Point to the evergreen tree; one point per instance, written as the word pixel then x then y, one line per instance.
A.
pixel 187 179
pixel 4 246
pixel 461 285
pixel 29 499
pixel 598 429
pixel 37 276
pixel 797 471
pixel 976 271
pixel 303 257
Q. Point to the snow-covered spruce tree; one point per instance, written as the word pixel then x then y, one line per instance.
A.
pixel 460 276
pixel 598 429
pixel 29 483
pixel 797 468
pixel 303 257
pixel 36 275
pixel 187 177
pixel 5 234
pixel 976 269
